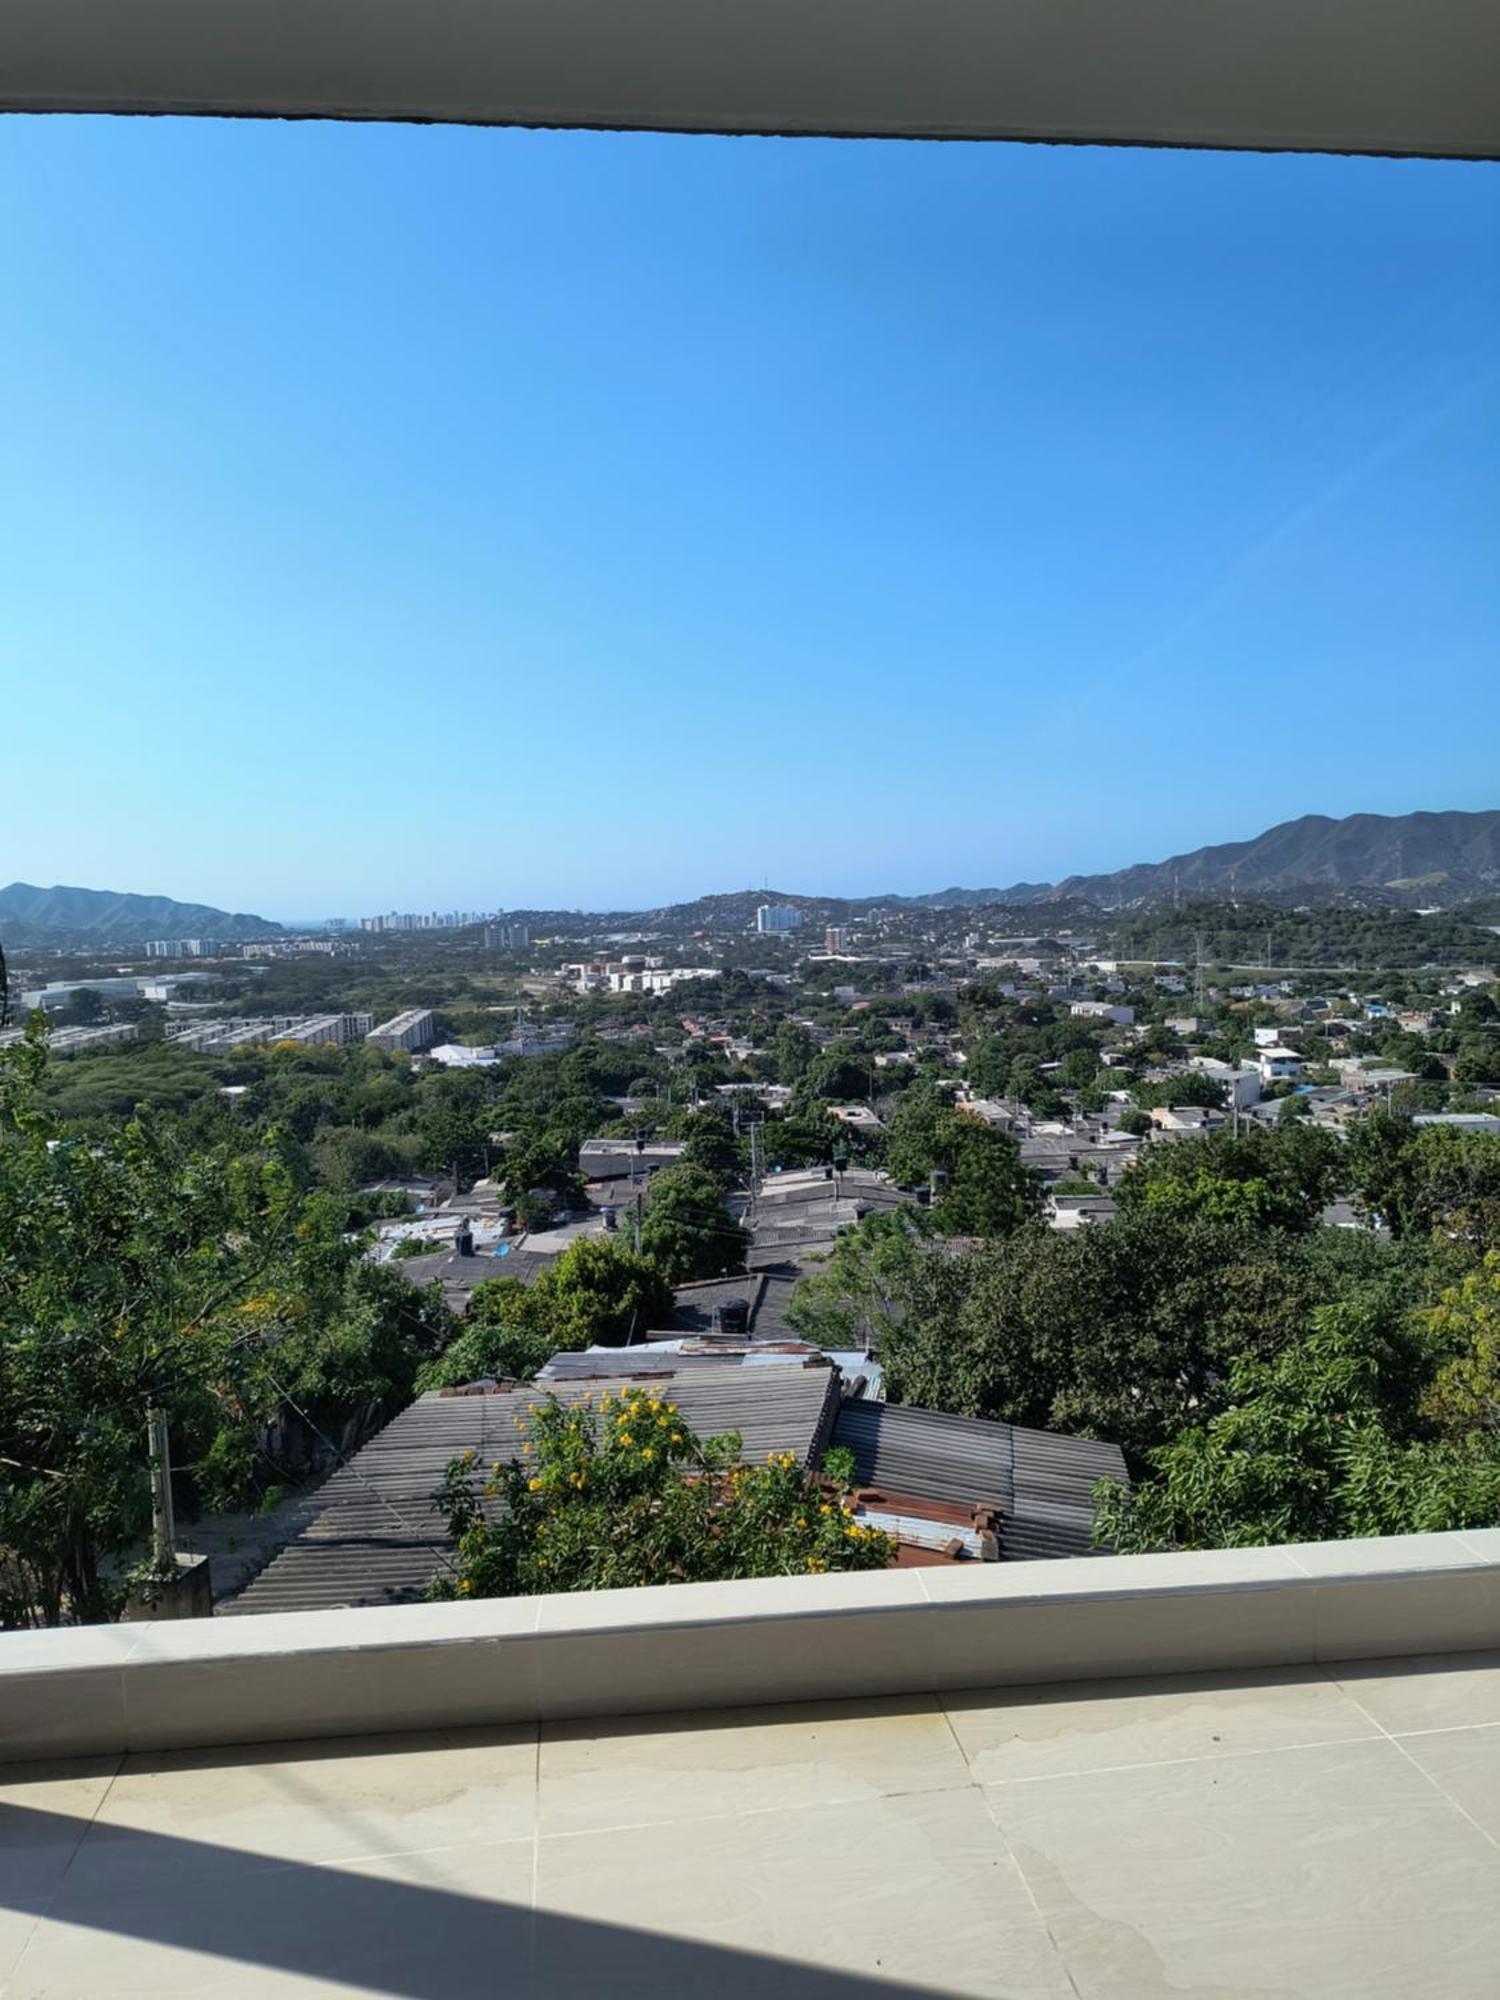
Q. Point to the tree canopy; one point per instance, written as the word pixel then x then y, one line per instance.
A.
pixel 623 1493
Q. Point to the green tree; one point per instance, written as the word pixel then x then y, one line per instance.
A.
pixel 712 1145
pixel 602 1294
pixel 625 1495
pixel 1465 1322
pixel 1426 1180
pixel 1308 1449
pixel 860 1293
pixel 687 1231
pixel 984 1189
pixel 599 1293
pixel 540 1178
pixel 1282 1178
pixel 127 1272
pixel 509 1330
pixel 1126 1332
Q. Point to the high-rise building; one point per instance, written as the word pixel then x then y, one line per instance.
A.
pixel 507 936
pixel 778 917
pixel 836 939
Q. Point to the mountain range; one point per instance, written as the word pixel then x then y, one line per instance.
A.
pixel 29 915
pixel 1411 860
pixel 1420 857
pixel 1415 859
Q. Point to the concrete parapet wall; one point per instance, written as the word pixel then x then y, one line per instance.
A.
pixel 314 1674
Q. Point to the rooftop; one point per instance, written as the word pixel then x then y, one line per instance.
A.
pixel 1242 1833
pixel 372 1534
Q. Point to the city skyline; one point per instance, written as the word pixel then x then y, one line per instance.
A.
pixel 654 515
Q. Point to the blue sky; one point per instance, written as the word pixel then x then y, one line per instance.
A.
pixel 402 516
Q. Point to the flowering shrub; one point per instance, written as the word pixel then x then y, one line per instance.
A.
pixel 620 1492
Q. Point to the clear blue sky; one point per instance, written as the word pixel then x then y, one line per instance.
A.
pixel 416 517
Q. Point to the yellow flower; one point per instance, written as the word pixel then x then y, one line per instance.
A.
pixel 466 1585
pixel 533 1485
pixel 647 1452
pixel 625 1437
pixel 677 1437
pixel 662 1422
pixel 825 1508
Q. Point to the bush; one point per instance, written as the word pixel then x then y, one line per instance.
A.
pixel 624 1494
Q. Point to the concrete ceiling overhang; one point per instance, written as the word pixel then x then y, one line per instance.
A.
pixel 1362 76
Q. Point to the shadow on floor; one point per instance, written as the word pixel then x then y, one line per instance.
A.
pixel 349 1924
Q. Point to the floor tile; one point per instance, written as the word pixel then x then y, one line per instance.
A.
pixel 1444 1691
pixel 1465 1764
pixel 339 1801
pixel 1335 1873
pixel 1044 1732
pixel 917 1890
pixel 448 1925
pixel 45 1810
pixel 649 1769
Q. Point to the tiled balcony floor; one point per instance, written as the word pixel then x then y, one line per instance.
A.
pixel 1277 1834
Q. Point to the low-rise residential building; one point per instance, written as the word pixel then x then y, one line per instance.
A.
pixel 1356 1074
pixel 1278 1064
pixel 859 1117
pixel 1241 1082
pixel 1079 1211
pixel 77 1041
pixel 324 1029
pixel 413 1031
pixel 1193 1119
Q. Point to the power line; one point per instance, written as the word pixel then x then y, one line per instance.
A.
pixel 347 1464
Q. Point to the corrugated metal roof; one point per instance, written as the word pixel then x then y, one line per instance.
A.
pixel 766 1293
pixel 1041 1482
pixel 375 1537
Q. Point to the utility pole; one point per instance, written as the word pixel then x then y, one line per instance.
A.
pixel 754 1124
pixel 163 1521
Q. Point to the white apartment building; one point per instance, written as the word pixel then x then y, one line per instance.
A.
pixel 1277 1063
pixel 778 918
pixel 413 1031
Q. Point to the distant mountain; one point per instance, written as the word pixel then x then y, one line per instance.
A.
pixel 963 899
pixel 29 915
pixel 1388 861
pixel 1418 857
